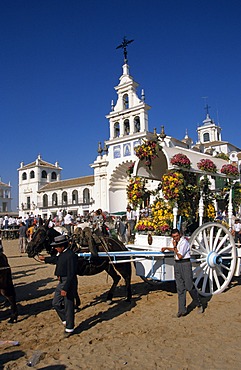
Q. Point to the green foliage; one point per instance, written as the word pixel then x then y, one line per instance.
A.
pixel 222 156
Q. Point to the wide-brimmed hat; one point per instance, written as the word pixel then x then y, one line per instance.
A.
pixel 60 240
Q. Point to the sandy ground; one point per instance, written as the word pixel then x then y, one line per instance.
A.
pixel 142 335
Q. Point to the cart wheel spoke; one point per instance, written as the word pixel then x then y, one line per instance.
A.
pixel 216 279
pixel 211 238
pixel 227 249
pixel 221 243
pixel 213 255
pixel 204 284
pixel 205 239
pixel 224 267
pixel 210 275
pixel 217 239
pixel 200 276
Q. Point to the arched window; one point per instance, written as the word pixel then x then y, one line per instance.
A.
pixel 44 174
pixel 53 176
pixel 137 125
pixel 64 198
pixel 32 175
pixel 86 195
pixel 45 200
pixel 74 196
pixel 125 101
pixel 206 137
pixel 54 199
pixel 116 129
pixel 126 127
pixel 24 176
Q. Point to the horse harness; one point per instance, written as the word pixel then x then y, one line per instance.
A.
pixel 4 268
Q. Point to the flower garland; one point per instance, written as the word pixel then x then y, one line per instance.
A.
pixel 135 191
pixel 207 165
pixel 147 151
pixel 145 225
pixel 210 212
pixel 229 170
pixel 172 185
pixel 160 220
pixel 162 213
pixel 181 160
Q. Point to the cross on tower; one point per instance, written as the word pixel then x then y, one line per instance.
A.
pixel 207 109
pixel 123 45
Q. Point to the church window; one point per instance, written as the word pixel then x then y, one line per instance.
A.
pixel 45 200
pixel 75 197
pixel 44 174
pixel 24 176
pixel 64 198
pixel 137 124
pixel 126 101
pixel 32 175
pixel 53 176
pixel 206 137
pixel 28 203
pixel 126 127
pixel 54 199
pixel 86 196
pixel 116 129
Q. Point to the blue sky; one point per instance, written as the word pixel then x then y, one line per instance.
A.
pixel 59 66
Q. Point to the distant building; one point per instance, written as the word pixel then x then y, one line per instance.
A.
pixel 41 190
pixel 5 198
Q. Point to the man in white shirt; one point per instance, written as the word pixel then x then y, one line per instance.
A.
pixel 183 273
pixel 130 220
pixel 60 215
pixel 237 231
pixel 68 220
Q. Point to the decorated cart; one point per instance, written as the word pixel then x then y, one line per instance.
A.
pixel 192 187
pixel 175 187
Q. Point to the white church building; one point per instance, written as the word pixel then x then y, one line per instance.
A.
pixel 5 198
pixel 41 190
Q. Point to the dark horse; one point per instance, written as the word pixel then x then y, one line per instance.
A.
pixel 7 288
pixel 44 236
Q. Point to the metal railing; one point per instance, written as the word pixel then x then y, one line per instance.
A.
pixel 80 202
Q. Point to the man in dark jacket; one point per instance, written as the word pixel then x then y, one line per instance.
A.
pixel 66 271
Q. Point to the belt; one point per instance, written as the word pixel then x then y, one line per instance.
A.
pixel 183 260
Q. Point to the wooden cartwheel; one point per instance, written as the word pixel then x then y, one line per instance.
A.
pixel 214 258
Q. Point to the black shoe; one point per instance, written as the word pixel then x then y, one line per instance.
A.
pixel 200 309
pixel 180 314
pixel 68 334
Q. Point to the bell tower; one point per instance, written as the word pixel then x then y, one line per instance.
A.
pixel 128 124
pixel 129 115
pixel 209 131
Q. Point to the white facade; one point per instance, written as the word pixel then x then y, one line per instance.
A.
pixel 42 192
pixel 128 124
pixel 5 198
pixel 106 189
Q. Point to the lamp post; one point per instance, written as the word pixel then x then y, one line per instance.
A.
pixel 175 211
pixel 230 208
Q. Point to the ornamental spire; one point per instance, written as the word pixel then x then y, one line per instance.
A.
pixel 123 45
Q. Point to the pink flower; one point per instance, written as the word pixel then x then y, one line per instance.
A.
pixel 229 169
pixel 207 165
pixel 181 160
